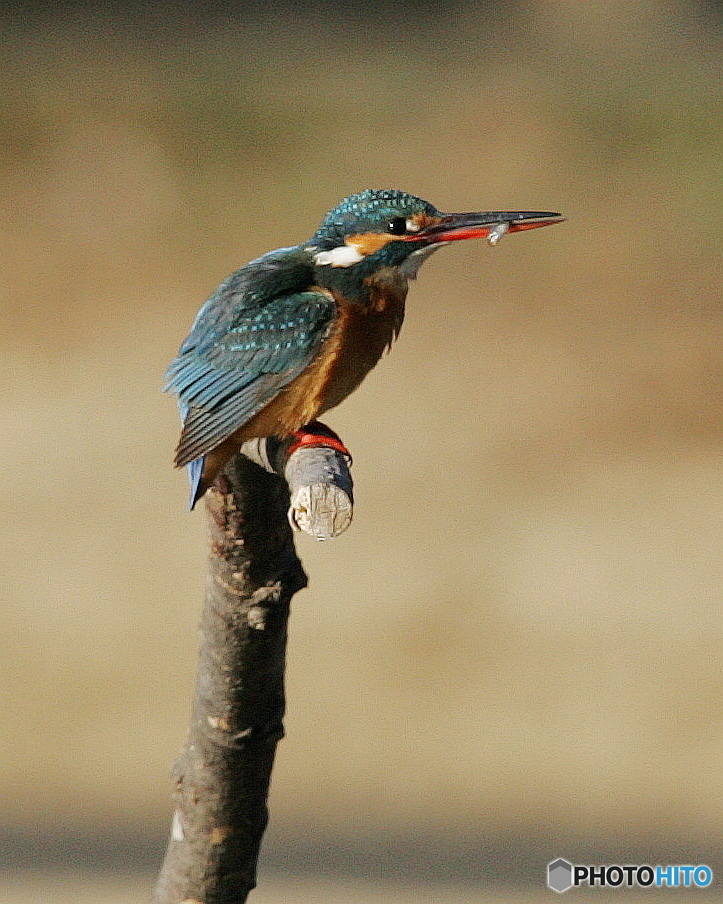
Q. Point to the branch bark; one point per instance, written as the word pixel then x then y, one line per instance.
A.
pixel 223 772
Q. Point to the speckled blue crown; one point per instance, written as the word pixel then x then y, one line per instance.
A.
pixel 371 205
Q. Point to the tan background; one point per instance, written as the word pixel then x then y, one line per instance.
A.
pixel 515 652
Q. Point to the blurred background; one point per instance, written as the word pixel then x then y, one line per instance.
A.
pixel 515 653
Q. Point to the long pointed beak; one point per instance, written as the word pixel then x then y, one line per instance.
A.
pixel 453 227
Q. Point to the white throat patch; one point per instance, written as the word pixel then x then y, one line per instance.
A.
pixel 341 256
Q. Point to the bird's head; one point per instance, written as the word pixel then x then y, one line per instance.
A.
pixel 388 228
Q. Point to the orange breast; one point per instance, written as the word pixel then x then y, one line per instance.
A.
pixel 358 339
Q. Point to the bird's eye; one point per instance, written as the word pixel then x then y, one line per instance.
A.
pixel 397 225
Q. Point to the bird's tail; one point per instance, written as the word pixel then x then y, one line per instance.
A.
pixel 195 479
pixel 194 468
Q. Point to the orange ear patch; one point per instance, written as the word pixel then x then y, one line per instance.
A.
pixel 369 242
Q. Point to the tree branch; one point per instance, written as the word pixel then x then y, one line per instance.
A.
pixel 319 480
pixel 222 775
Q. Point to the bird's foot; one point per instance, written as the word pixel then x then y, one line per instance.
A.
pixel 316 434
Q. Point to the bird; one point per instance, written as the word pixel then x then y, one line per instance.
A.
pixel 294 332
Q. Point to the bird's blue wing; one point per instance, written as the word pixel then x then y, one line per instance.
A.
pixel 281 272
pixel 259 349
pixel 257 331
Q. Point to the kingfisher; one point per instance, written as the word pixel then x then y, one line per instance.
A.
pixel 294 332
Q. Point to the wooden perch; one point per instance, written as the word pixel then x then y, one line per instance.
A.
pixel 319 481
pixel 222 775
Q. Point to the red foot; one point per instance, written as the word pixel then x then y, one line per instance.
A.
pixel 317 434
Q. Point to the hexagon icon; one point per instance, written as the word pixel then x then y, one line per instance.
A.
pixel 559 875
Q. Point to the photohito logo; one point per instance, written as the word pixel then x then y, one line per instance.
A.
pixel 561 875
